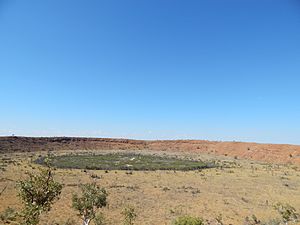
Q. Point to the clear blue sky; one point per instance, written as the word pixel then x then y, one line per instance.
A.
pixel 159 69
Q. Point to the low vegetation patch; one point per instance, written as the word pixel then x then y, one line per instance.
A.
pixel 120 161
pixel 188 220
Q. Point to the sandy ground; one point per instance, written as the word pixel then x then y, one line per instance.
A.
pixel 244 188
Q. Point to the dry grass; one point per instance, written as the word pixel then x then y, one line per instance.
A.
pixel 159 196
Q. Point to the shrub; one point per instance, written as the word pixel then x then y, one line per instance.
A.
pixel 129 215
pixel 287 212
pixel 38 192
pixel 188 220
pixel 93 197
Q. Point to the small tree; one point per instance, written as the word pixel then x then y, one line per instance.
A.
pixel 129 215
pixel 38 192
pixel 93 197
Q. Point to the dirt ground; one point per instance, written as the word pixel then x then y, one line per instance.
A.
pixel 273 153
pixel 241 188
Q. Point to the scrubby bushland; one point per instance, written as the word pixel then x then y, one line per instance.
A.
pixel 129 161
pixel 92 198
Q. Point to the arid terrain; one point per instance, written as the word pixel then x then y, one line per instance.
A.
pixel 273 153
pixel 251 178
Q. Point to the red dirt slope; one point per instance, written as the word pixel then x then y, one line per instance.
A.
pixel 261 152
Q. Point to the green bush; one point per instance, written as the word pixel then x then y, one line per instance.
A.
pixel 92 198
pixel 188 220
pixel 38 192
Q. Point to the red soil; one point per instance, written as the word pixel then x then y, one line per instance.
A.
pixel 274 153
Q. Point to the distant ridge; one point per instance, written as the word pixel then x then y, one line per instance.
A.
pixel 276 153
